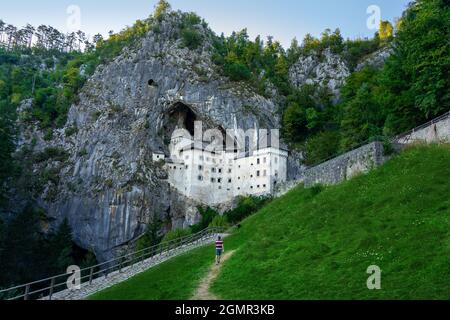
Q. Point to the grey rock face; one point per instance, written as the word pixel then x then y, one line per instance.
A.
pixel 328 70
pixel 376 59
pixel 110 188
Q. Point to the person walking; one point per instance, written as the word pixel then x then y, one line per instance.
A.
pixel 219 249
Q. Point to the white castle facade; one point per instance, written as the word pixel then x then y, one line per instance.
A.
pixel 213 175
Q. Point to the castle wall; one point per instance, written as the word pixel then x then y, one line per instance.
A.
pixel 346 166
pixel 437 131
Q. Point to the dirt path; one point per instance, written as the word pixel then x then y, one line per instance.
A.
pixel 202 292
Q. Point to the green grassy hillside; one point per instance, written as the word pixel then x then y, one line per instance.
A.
pixel 318 243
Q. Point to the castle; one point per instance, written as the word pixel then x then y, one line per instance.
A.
pixel 214 175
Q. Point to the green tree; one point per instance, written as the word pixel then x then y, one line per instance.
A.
pixel 208 214
pixel 295 123
pixel 304 113
pixel 7 146
pixel 415 79
pixel 61 245
pixel 162 7
pixel 152 235
pixel 386 31
pixel 2 244
pixel 22 244
pixel 322 146
pixel 191 38
pixel 361 118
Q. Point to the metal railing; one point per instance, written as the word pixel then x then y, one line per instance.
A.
pixel 423 126
pixel 384 139
pixel 49 286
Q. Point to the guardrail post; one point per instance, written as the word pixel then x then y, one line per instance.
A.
pixel 52 284
pixel 91 275
pixel 27 291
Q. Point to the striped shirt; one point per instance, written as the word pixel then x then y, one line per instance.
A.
pixel 219 244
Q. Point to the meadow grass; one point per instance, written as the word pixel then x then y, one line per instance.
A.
pixel 318 243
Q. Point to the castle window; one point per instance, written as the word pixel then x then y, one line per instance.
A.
pixel 220 170
pixel 265 160
pixel 258 161
pixel 251 176
pixel 187 167
pixel 239 188
pixel 220 188
pixel 213 170
pixel 264 186
pixel 213 180
pixel 229 180
pixel 258 173
pixel 201 158
pixel 219 180
pixel 265 173
pixel 229 170
pixel 200 178
pixel 200 168
pixel 259 186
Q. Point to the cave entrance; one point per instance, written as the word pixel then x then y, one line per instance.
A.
pixel 179 116
pixel 184 117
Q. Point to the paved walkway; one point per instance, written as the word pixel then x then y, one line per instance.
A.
pixel 203 291
pixel 116 277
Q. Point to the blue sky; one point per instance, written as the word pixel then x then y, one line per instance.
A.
pixel 283 19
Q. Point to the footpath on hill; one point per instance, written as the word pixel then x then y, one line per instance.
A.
pixel 203 291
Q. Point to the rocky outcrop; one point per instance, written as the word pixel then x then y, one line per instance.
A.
pixel 326 70
pixel 109 188
pixel 375 60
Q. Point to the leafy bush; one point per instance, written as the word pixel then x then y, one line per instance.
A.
pixel 56 154
pixel 321 147
pixel 191 38
pixel 246 206
pixel 176 234
pixel 71 131
pixel 208 215
pixel 219 221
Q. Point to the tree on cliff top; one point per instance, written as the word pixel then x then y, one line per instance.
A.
pixel 161 8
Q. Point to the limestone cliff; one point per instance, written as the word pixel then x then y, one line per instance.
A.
pixel 109 188
pixel 327 70
pixel 331 70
